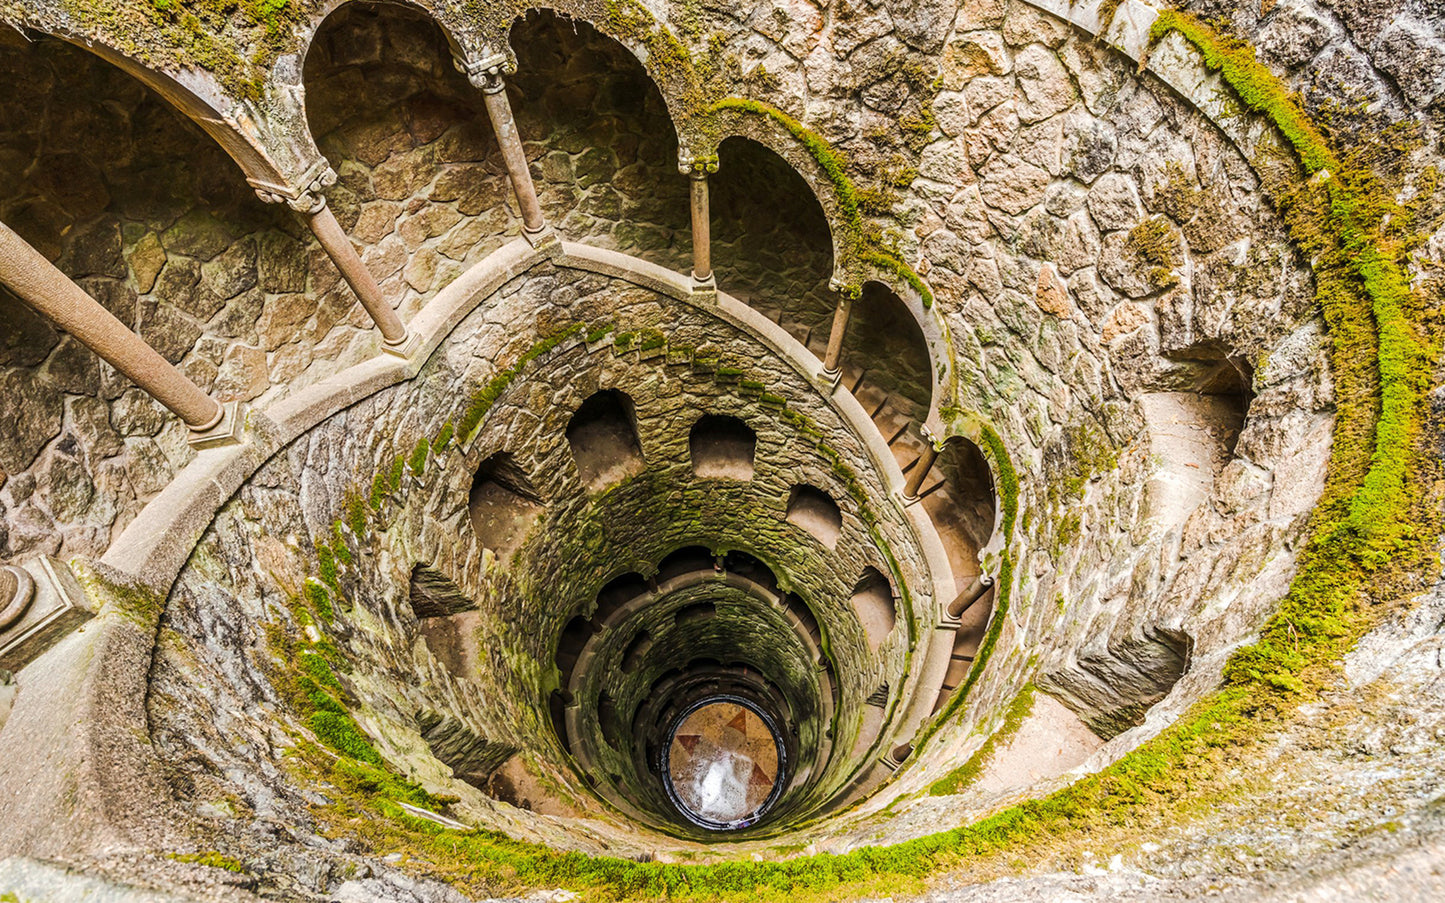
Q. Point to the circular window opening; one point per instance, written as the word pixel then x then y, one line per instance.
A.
pixel 725 765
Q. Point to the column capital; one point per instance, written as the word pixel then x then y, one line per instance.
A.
pixel 305 193
pixel 930 437
pixel 486 73
pixel 696 167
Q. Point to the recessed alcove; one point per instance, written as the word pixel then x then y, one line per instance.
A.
pixel 502 504
pixel 603 437
pixel 698 611
pixel 722 447
pixel 447 620
pixel 1113 686
pixel 813 510
pixel 872 602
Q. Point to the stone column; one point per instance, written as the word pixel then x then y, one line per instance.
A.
pixel 971 594
pixel 43 287
pixel 697 169
pixel 832 359
pixel 499 109
pixel 920 469
pixel 307 199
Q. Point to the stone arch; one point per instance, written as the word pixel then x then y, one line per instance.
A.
pixel 872 601
pixel 813 510
pixel 772 241
pixel 618 592
pixel 270 157
pixel 608 174
pixel 603 437
pixel 887 344
pixel 963 504
pixel 683 561
pixel 722 447
pixel 401 125
pixel 677 81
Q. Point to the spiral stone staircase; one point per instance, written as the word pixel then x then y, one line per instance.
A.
pixel 651 451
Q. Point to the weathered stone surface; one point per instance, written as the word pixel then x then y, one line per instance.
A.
pixel 146 259
pixel 29 418
pixel 1114 202
pixel 1045 84
pixel 1012 185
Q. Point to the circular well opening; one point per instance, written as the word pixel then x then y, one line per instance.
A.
pixel 725 764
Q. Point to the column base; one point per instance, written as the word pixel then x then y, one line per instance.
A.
pixel 57 605
pixel 908 500
pixel 704 291
pixel 544 240
pixel 405 348
pixel 227 432
pixel 830 378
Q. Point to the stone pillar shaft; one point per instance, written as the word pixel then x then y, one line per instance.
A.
pixel 499 109
pixel 971 594
pixel 338 246
pixel 52 293
pixel 833 357
pixel 701 228
pixel 920 472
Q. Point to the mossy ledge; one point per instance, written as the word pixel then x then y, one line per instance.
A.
pixel 1366 518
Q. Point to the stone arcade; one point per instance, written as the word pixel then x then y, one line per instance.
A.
pixel 728 443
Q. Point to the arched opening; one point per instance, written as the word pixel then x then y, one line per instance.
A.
pixel 607 719
pixel 502 504
pixel 685 560
pixel 606 164
pixel 421 181
pixel 617 593
pixel 636 651
pixel 1193 428
pixel 692 614
pixel 557 711
pixel 1113 688
pixel 813 510
pixel 872 601
pixel 574 637
pixel 887 366
pixel 771 244
pixel 959 497
pixel 154 221
pixel 603 437
pixel 750 567
pixel 722 447
pixel 447 620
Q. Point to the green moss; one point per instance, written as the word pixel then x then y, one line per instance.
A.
pixel 419 455
pixel 319 599
pixel 963 776
pixel 338 730
pixel 356 515
pixel 889 262
pixel 651 339
pixel 1155 243
pixel 443 438
pixel 326 564
pixel 210 858
pixel 206 34
pixel 482 401
pixel 339 546
pixel 380 490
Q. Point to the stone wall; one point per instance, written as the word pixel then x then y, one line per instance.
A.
pixel 226 621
